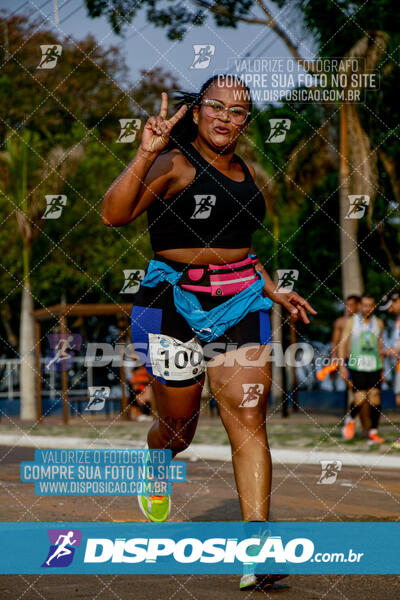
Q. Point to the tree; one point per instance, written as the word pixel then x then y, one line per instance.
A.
pixel 23 176
pixel 59 137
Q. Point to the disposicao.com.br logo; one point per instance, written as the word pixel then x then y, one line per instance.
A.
pixel 218 548
pixel 212 550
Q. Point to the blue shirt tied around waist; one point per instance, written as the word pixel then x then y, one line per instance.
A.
pixel 208 325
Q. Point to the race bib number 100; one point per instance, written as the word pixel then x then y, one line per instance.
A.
pixel 174 360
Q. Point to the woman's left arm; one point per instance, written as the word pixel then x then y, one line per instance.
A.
pixel 295 304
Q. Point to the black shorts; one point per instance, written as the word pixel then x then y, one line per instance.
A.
pixel 167 345
pixel 365 380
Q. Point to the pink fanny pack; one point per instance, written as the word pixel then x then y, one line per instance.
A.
pixel 220 280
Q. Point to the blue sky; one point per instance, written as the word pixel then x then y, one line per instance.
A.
pixel 146 46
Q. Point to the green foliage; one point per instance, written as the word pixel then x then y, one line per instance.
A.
pixel 61 128
pixel 85 81
pixel 337 26
pixel 92 255
pixel 173 15
pixel 308 235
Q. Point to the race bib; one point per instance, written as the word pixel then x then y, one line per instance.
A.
pixel 174 360
pixel 366 363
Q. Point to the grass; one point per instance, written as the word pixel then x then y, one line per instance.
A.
pixel 298 431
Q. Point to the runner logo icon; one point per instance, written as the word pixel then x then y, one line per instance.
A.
pixel 329 471
pixel 50 56
pixel 129 129
pixel 133 277
pixel 62 547
pixel 279 129
pixel 251 394
pixel 63 347
pixel 97 397
pixel 287 279
pixel 54 206
pixel 202 55
pixel 204 204
pixel 357 206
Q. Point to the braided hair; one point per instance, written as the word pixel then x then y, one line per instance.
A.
pixel 186 130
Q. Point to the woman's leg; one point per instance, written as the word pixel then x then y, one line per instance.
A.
pixel 242 392
pixel 178 413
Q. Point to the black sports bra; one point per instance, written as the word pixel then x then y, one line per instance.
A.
pixel 213 211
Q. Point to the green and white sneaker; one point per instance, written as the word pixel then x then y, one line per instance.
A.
pixel 250 580
pixel 155 508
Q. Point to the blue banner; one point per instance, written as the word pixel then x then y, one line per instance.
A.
pixel 190 548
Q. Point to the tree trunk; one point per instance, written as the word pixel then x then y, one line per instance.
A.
pixel 352 282
pixel 27 337
pixel 390 165
pixel 358 164
pixel 27 355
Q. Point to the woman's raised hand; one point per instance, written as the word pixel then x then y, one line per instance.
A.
pixel 157 130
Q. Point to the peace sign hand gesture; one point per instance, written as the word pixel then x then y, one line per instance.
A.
pixel 157 130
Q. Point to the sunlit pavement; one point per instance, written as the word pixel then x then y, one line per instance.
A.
pixel 207 495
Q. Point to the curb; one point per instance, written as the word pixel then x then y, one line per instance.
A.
pixel 207 452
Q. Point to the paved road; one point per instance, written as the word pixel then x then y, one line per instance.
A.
pixel 208 495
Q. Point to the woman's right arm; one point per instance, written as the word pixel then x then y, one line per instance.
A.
pixel 147 176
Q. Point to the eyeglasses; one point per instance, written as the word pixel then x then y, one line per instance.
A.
pixel 237 114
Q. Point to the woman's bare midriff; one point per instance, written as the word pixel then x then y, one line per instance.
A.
pixel 205 256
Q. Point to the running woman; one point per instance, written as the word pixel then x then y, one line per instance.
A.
pixel 364 333
pixel 204 294
pixel 391 303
